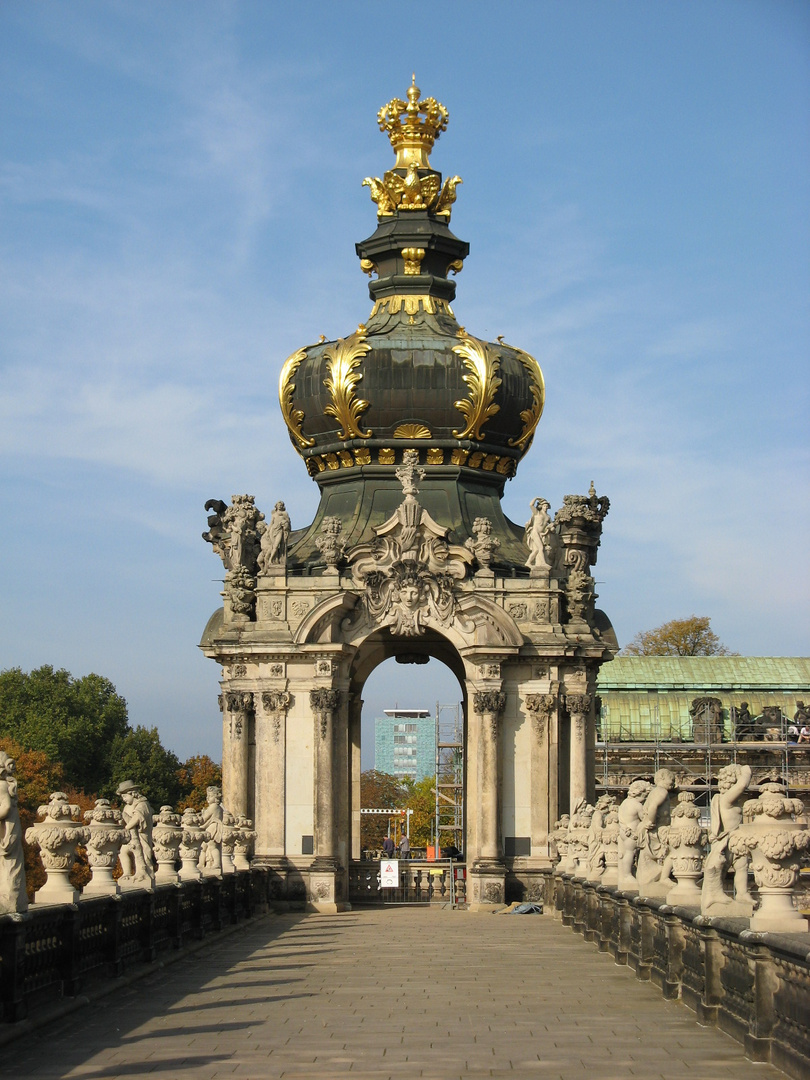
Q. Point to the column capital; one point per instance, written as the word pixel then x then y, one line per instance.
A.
pixel 489 701
pixel 578 704
pixel 276 701
pixel 323 701
pixel 540 707
pixel 239 702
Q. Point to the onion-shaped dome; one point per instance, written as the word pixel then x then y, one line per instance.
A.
pixel 411 377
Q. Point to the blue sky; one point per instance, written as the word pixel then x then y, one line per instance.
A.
pixel 179 201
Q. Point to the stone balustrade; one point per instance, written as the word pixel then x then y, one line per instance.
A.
pixel 56 951
pixel 754 985
pixel 664 851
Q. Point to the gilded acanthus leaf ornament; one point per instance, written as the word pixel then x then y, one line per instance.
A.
pixel 343 359
pixel 293 417
pixel 530 416
pixel 482 364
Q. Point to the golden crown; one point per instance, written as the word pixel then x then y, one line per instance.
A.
pixel 411 137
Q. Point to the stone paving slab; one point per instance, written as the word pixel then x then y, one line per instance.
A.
pixel 394 993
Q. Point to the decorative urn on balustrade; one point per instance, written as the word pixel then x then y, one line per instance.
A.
pixel 774 830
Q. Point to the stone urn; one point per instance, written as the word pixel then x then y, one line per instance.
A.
pixel 775 832
pixel 107 835
pixel 57 837
pixel 610 848
pixel 243 843
pixel 559 847
pixel 191 844
pixel 229 836
pixel 578 839
pixel 166 838
pixel 687 845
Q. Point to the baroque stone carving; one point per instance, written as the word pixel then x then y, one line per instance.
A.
pixel 323 703
pixel 407 573
pixel 686 841
pixel 107 835
pixel 167 836
pixel 726 818
pixel 490 704
pixel 137 854
pixel 482 543
pixel 274 535
pixel 191 844
pixel 540 707
pixel 330 544
pixel 540 538
pixel 631 812
pixel 244 839
pixel 13 898
pixel 212 816
pixel 56 836
pixel 776 834
pixel 233 532
pixel 654 861
pixel 707 719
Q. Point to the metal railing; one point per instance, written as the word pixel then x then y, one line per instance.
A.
pixel 443 882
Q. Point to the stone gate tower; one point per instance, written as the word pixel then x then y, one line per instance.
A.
pixel 410 426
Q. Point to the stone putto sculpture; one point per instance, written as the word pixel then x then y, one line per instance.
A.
pixel 274 537
pixel 136 856
pixel 212 815
pixel 57 837
pixel 630 814
pixel 726 817
pixel 654 862
pixel 13 897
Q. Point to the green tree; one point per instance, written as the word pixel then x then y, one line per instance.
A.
pixel 195 776
pixel 73 721
pixel 139 755
pixel 678 637
pixel 378 790
pixel 422 800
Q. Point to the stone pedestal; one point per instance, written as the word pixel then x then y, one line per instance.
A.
pixel 487 885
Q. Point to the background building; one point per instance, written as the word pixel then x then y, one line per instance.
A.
pixel 405 743
pixel 694 714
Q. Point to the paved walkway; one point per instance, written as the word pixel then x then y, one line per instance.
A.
pixel 395 993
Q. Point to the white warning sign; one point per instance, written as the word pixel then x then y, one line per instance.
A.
pixel 389 874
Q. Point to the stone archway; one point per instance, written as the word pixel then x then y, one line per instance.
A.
pixel 291 701
pixel 378 648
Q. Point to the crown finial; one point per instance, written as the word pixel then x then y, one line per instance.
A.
pixel 411 136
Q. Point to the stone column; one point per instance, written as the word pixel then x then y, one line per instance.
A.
pixel 355 715
pixel 488 871
pixel 236 710
pixel 579 707
pixel 324 704
pixel 271 742
pixel 541 709
pixel 489 705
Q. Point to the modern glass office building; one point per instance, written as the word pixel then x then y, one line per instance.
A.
pixel 405 743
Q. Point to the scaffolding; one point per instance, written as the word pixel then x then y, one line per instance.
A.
pixel 449 779
pixel 698 761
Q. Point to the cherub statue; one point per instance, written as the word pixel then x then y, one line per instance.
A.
pixel 13 897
